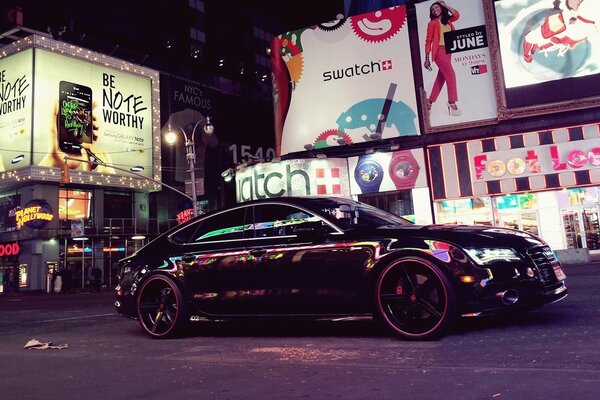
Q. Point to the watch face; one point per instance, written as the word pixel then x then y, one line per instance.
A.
pixel 368 175
pixel 404 170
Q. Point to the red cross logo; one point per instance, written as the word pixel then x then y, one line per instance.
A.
pixel 328 181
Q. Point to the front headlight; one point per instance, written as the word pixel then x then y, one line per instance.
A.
pixel 485 256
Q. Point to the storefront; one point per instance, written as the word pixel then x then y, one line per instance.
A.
pixel 393 180
pixel 544 182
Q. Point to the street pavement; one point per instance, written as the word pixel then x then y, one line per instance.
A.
pixel 550 353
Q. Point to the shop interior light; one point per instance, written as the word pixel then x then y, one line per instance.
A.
pixel 81 238
pixel 138 237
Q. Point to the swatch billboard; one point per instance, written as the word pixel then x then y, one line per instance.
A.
pixel 344 82
pixel 307 177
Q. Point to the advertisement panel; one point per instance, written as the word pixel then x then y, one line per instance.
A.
pixel 559 158
pixel 16 102
pixel 383 172
pixel 308 177
pixel 455 64
pixel 343 82
pixel 549 52
pixel 85 110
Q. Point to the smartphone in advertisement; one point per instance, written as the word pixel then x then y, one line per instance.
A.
pixel 75 116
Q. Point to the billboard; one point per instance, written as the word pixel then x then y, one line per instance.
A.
pixel 455 64
pixel 344 82
pixel 533 161
pixel 92 112
pixel 308 177
pixel 389 171
pixel 549 54
pixel 16 102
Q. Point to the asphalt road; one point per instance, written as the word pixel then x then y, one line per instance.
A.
pixel 550 353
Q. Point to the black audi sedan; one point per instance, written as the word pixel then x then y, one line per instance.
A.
pixel 330 258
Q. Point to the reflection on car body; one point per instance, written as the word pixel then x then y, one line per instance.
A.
pixel 326 257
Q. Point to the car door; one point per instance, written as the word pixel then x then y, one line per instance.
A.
pixel 300 263
pixel 213 260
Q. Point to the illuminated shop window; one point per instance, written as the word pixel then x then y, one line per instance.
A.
pixel 475 211
pixel 577 196
pixel 525 201
pixel 74 204
pixel 23 282
pixel 399 203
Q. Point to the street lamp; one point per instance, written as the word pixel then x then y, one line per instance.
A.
pixel 190 153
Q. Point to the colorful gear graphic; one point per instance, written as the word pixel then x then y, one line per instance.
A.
pixel 332 25
pixel 292 55
pixel 329 138
pixel 379 26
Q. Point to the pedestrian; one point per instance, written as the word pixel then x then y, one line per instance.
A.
pixel 96 279
pixel 66 281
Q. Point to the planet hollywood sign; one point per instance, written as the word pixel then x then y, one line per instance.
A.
pixel 34 214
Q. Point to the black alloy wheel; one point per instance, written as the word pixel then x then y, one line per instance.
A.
pixel 415 299
pixel 160 307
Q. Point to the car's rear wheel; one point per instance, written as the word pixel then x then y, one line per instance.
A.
pixel 415 299
pixel 160 307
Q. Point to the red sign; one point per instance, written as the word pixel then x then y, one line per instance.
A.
pixel 9 249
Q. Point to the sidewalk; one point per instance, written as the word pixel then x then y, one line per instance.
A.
pixel 32 294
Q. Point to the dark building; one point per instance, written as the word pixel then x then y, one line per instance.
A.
pixel 211 60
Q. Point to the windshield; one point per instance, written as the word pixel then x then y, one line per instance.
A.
pixel 349 214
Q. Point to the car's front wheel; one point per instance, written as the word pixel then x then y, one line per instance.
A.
pixel 415 299
pixel 160 307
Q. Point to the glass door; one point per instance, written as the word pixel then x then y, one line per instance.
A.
pixel 582 230
pixel 572 225
pixel 589 217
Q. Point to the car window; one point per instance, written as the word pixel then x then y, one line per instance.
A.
pixel 183 235
pixel 272 220
pixel 228 225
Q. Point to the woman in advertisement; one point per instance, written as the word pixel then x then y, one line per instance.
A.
pixel 442 18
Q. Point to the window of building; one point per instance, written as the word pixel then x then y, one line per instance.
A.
pixel 74 204
pixel 399 203
pixel 474 211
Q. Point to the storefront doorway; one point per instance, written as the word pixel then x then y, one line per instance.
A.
pixel 581 228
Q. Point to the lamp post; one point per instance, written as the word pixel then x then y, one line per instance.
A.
pixel 190 153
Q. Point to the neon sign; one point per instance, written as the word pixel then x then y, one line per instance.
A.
pixel 35 214
pixel 543 159
pixel 9 249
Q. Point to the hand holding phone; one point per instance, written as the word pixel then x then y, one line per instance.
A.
pixel 75 117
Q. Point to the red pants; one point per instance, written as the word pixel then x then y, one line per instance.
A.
pixel 445 75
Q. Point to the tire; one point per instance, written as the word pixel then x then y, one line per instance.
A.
pixel 161 310
pixel 415 299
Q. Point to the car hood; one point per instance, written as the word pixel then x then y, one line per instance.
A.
pixel 468 235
